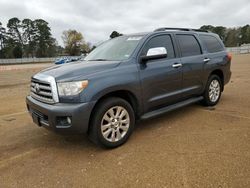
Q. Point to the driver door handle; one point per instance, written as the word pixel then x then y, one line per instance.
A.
pixel 177 65
pixel 206 60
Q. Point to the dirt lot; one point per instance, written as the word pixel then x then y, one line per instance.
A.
pixel 190 147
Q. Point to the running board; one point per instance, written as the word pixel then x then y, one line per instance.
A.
pixel 171 107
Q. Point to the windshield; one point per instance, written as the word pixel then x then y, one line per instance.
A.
pixel 116 49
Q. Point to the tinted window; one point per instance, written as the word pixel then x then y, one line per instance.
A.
pixel 160 41
pixel 189 46
pixel 212 44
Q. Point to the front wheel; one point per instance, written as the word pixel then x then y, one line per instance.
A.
pixel 213 91
pixel 113 122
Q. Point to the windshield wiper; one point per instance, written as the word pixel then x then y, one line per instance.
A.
pixel 98 60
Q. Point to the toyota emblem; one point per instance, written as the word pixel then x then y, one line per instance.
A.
pixel 37 88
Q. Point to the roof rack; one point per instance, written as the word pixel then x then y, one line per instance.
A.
pixel 180 29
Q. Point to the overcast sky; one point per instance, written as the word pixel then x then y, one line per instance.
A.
pixel 96 19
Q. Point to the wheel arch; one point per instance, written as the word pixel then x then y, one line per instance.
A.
pixel 220 74
pixel 123 94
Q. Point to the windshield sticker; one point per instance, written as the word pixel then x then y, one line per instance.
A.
pixel 134 38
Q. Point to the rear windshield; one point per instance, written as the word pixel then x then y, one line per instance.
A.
pixel 212 43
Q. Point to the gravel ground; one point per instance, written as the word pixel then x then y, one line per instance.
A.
pixel 190 147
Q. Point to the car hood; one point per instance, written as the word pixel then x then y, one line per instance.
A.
pixel 78 70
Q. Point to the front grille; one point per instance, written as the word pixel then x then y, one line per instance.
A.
pixel 41 91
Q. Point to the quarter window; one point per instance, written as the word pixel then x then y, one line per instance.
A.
pixel 212 44
pixel 189 45
pixel 160 41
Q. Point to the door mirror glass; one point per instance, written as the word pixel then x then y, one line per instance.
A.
pixel 155 53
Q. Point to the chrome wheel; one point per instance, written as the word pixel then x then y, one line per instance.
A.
pixel 214 90
pixel 115 124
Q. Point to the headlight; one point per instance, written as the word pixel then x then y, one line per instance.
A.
pixel 71 88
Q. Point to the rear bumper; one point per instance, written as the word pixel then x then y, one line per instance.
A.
pixel 227 77
pixel 50 116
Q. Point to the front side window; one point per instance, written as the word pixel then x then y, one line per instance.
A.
pixel 117 49
pixel 212 44
pixel 189 45
pixel 160 41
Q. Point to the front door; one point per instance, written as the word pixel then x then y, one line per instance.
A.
pixel 161 79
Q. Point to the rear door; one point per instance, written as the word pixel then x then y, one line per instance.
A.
pixel 192 60
pixel 216 54
pixel 160 78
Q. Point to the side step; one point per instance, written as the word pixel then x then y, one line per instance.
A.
pixel 171 107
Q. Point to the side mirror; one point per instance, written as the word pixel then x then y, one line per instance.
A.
pixel 155 53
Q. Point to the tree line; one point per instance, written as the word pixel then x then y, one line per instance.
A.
pixel 231 37
pixel 75 43
pixel 33 38
pixel 26 38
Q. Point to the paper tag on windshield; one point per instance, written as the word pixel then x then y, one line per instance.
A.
pixel 134 38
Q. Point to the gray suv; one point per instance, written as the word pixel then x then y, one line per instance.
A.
pixel 130 78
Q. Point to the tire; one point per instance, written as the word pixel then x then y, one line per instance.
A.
pixel 111 117
pixel 213 91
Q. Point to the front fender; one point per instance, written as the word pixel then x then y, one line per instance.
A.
pixel 122 78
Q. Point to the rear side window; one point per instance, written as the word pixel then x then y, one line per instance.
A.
pixel 212 44
pixel 160 41
pixel 189 45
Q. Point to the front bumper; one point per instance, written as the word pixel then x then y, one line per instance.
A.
pixel 50 116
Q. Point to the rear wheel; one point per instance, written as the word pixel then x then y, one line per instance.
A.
pixel 213 91
pixel 112 122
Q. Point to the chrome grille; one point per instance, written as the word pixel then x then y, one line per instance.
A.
pixel 41 91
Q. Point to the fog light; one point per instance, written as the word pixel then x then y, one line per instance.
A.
pixel 69 120
pixel 64 121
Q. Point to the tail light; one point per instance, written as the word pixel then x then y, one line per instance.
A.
pixel 229 57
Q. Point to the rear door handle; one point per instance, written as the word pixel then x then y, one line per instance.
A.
pixel 206 60
pixel 176 65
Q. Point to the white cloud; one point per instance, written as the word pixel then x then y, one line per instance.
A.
pixel 97 19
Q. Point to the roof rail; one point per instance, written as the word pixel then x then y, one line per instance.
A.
pixel 180 29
